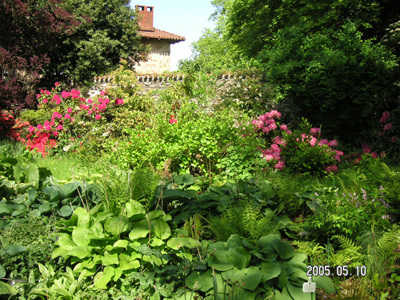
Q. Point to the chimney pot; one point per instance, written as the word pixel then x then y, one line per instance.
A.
pixel 146 14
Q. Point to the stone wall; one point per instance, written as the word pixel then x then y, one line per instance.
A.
pixel 158 58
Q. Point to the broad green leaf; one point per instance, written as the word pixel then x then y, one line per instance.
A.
pixel 53 192
pixel 139 230
pixel 117 225
pixel 201 281
pixel 2 272
pixel 187 242
pixel 284 249
pixel 270 270
pixel 65 211
pixel 69 189
pixel 35 213
pixel 279 296
pixel 266 242
pixel 81 236
pixel 325 283
pixel 14 249
pixel 130 265
pixel 5 209
pixel 83 217
pixel 298 258
pixel 110 259
pixel 297 292
pixel 121 244
pixel 32 196
pixel 43 270
pixel 134 208
pixel 103 278
pixel 44 208
pixel 6 289
pixel 79 252
pixel 161 229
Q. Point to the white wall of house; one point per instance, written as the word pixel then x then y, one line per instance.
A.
pixel 158 59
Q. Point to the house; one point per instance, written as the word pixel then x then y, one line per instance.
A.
pixel 158 60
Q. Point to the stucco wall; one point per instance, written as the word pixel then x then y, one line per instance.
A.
pixel 158 59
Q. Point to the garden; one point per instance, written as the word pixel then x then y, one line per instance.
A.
pixel 280 183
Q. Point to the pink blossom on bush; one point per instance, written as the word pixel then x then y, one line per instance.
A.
pixel 333 143
pixel 388 126
pixel 272 126
pixel 275 148
pixel 31 128
pixel 315 131
pixel 279 165
pixel 338 154
pixel 39 127
pixel 57 84
pixel 45 101
pixel 332 168
pixel 266 129
pixel 268 157
pixel 59 127
pixel 46 123
pixel 89 101
pixel 119 101
pixel 386 115
pixel 279 141
pixel 55 133
pixel 65 94
pixel 323 142
pixel 75 93
pixel 313 141
pixel 275 114
pixel 284 127
pixel 374 155
pixel 173 120
pixel 97 117
pixel 67 116
pixel 47 127
pixel 69 110
pixel 257 123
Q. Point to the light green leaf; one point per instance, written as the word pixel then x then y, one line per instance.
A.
pixel 117 225
pixel 140 230
pixel 103 278
pixel 161 229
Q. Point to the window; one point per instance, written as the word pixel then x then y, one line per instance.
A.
pixel 149 9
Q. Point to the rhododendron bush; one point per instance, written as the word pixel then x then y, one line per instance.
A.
pixel 73 120
pixel 297 151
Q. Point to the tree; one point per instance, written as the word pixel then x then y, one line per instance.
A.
pixel 108 34
pixel 29 32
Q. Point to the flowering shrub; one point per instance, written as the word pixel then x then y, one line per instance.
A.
pixel 298 151
pixel 73 120
pixel 7 121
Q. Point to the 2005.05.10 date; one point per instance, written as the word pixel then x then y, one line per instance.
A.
pixel 336 271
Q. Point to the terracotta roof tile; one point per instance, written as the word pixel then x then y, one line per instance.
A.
pixel 161 35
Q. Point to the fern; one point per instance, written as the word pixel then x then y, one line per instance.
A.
pixel 246 220
pixel 350 254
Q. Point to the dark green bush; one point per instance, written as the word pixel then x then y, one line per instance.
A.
pixel 336 78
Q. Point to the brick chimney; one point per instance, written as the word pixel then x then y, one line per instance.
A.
pixel 145 17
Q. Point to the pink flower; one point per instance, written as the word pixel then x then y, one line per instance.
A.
pixel 269 157
pixel 272 126
pixel 45 101
pixel 46 123
pixel 332 168
pixel 323 142
pixel 313 141
pixel 315 131
pixel 75 93
pixel 173 120
pixel 275 148
pixel 275 114
pixel 59 127
pixel 279 141
pixel 338 154
pixel 388 126
pixel 89 112
pixel 39 127
pixel 374 155
pixel 386 115
pixel 257 123
pixel 65 94
pixel 279 165
pixel 67 116
pixel 57 84
pixel 69 110
pixel 55 133
pixel 97 117
pixel 284 127
pixel 119 101
pixel 102 93
pixel 333 143
pixel 31 128
pixel 367 149
pixel 90 101
pixel 47 127
pixel 57 99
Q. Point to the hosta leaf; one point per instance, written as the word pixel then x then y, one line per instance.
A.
pixel 270 270
pixel 161 229
pixel 284 249
pixel 65 211
pixel 134 208
pixel 325 283
pixel 14 249
pixel 103 278
pixel 117 225
pixel 121 244
pixel 178 242
pixel 140 230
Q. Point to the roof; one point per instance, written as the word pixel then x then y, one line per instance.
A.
pixel 161 35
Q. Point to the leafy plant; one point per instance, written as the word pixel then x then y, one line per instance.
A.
pixel 264 268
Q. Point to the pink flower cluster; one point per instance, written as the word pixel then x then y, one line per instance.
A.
pixel 173 120
pixel 267 123
pixel 368 149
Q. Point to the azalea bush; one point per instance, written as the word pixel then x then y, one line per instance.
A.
pixel 299 152
pixel 75 122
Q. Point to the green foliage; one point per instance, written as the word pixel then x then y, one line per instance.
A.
pixel 35 116
pixel 265 268
pixel 196 143
pixel 25 242
pixel 108 33
pixel 333 76
pixel 248 221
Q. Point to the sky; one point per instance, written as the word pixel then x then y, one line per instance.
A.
pixel 188 18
